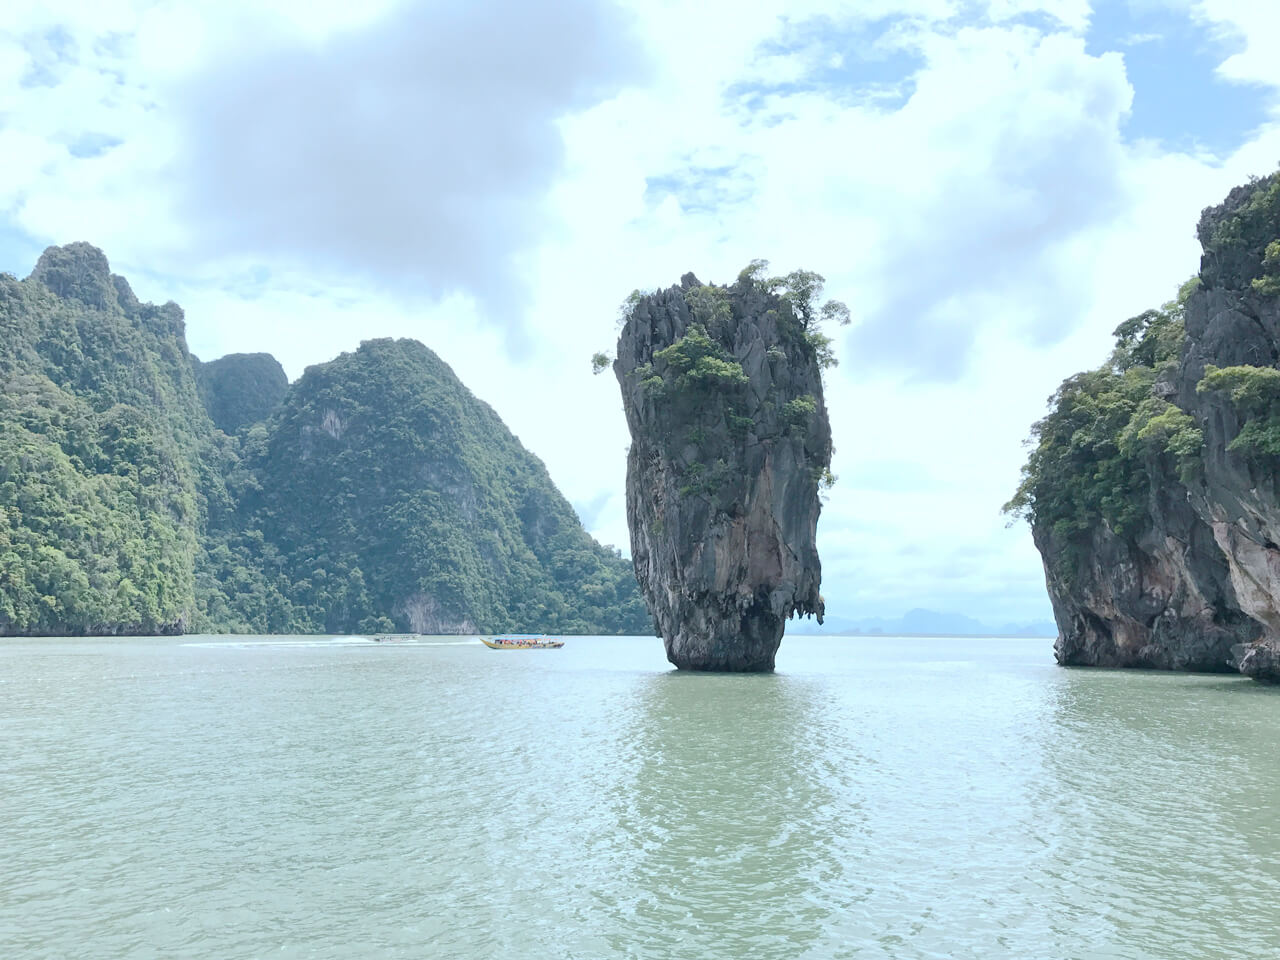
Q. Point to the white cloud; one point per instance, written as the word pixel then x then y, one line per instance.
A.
pixel 1073 14
pixel 1256 25
pixel 993 227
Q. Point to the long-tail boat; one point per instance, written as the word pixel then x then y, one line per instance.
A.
pixel 522 641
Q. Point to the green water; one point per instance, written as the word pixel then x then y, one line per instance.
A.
pixel 875 798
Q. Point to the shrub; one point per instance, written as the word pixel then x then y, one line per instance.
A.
pixel 698 360
pixel 1254 392
pixel 1269 283
pixel 798 411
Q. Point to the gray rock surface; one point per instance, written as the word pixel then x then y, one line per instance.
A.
pixel 1198 585
pixel 1238 497
pixel 1162 599
pixel 723 471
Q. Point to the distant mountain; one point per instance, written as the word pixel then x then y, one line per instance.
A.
pixel 920 622
pixel 240 389
pixel 145 492
pixel 390 490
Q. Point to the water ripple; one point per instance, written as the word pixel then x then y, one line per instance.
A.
pixel 895 799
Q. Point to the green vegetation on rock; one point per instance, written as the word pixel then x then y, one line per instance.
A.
pixel 1255 394
pixel 385 486
pixel 797 313
pixel 376 493
pixel 1269 283
pixel 1110 434
pixel 1239 238
pixel 101 438
pixel 240 389
pixel 697 362
pixel 798 410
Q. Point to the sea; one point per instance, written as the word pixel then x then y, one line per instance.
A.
pixel 876 797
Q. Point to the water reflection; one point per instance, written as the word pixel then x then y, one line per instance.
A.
pixel 1160 793
pixel 727 832
pixel 905 800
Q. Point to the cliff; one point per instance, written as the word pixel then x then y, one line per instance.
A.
pixel 101 433
pixel 389 490
pixel 143 492
pixel 1157 597
pixel 1229 381
pixel 722 390
pixel 1152 490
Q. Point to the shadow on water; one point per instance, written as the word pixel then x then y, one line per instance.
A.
pixel 1242 687
pixel 1208 680
pixel 725 832
pixel 1159 797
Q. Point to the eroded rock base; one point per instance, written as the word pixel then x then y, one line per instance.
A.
pixel 750 649
pixel 1259 660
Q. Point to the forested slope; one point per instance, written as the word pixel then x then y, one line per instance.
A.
pixel 389 489
pixel 100 437
pixel 144 492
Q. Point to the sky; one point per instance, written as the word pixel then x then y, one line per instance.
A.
pixel 990 185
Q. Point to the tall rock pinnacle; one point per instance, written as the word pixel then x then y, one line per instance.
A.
pixel 722 389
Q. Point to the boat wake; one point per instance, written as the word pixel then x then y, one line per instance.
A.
pixel 330 642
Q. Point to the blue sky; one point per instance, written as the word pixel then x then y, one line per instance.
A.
pixel 1171 60
pixel 991 185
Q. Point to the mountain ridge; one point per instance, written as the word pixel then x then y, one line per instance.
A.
pixel 143 491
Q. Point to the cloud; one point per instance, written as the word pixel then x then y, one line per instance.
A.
pixel 1182 98
pixel 1073 14
pixel 704 189
pixel 979 187
pixel 971 177
pixel 1015 137
pixel 1254 25
pixel 849 61
pixel 416 151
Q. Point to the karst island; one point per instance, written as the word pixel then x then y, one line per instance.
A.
pixel 1152 487
pixel 730 446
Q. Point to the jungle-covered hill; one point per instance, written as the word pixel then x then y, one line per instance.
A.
pixel 144 492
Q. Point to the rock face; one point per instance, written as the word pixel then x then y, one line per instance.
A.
pixel 1153 492
pixel 1161 599
pixel 1233 321
pixel 722 391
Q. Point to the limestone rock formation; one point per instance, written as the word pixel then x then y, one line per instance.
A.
pixel 1233 324
pixel 376 494
pixel 1160 599
pixel 1154 489
pixel 79 271
pixel 722 390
